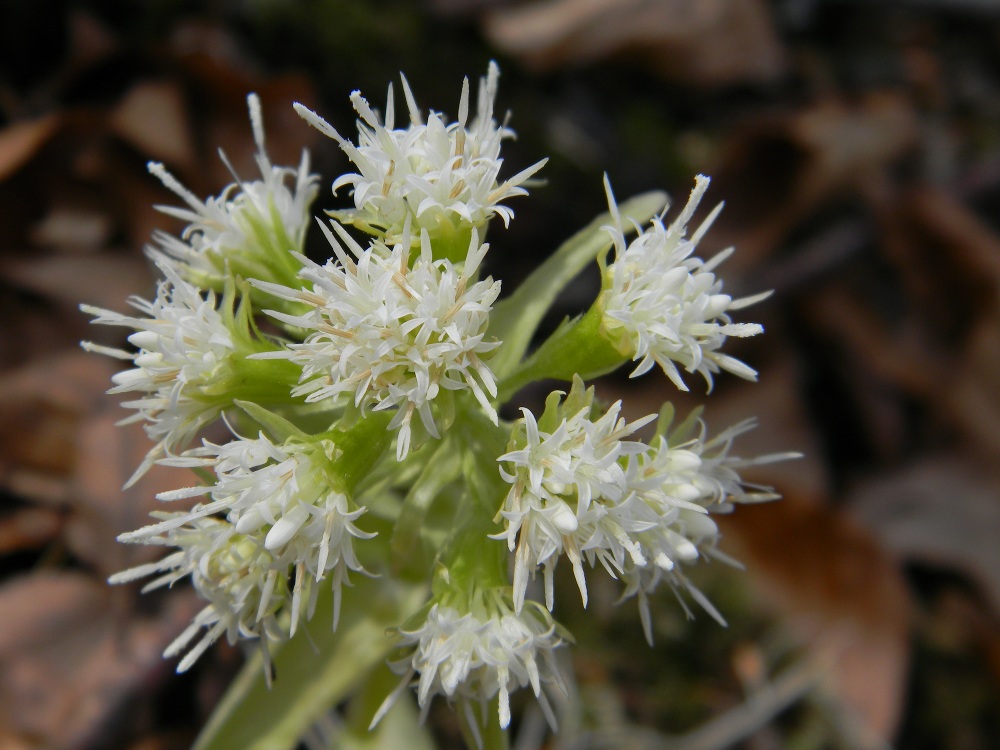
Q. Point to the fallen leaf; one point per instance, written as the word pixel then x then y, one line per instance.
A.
pixel 709 42
pixel 945 326
pixel 841 595
pixel 22 140
pixel 777 170
pixel 42 406
pixel 153 118
pixel 68 660
pixel 224 122
pixel 60 443
pixel 107 456
pixel 27 529
pixel 104 280
pixel 943 511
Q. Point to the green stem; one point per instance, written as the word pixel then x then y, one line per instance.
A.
pixel 515 319
pixel 409 554
pixel 314 671
pixel 578 347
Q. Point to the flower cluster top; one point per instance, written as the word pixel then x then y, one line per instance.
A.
pixel 361 416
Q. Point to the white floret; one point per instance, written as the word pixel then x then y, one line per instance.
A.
pixel 665 305
pixel 431 171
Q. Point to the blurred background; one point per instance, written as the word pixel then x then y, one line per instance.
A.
pixel 857 148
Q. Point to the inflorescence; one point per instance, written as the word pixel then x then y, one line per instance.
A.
pixel 336 380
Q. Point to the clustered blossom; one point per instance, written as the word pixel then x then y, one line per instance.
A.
pixel 253 225
pixel 683 478
pixel 282 497
pixel 665 306
pixel 184 344
pixel 391 334
pixel 582 491
pixel 245 589
pixel 392 342
pixel 563 483
pixel 435 172
pixel 474 657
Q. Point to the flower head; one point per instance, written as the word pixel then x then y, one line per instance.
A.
pixel 477 653
pixel 664 306
pixel 440 174
pixel 683 478
pixel 251 228
pixel 246 589
pixel 184 343
pixel 568 476
pixel 390 333
pixel 283 495
pixel 580 489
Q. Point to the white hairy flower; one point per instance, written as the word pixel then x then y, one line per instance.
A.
pixel 664 306
pixel 718 479
pixel 282 493
pixel 436 172
pixel 679 482
pixel 565 488
pixel 252 225
pixel 391 335
pixel 245 587
pixel 579 489
pixel 642 581
pixel 473 656
pixel 184 343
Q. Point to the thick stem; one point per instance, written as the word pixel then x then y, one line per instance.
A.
pixel 576 348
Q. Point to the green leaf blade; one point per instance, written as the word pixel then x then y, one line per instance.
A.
pixel 309 682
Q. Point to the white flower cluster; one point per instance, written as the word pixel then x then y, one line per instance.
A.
pixel 281 510
pixel 582 491
pixel 252 224
pixel 563 483
pixel 475 657
pixel 244 588
pixel 183 346
pixel 666 306
pixel 435 172
pixel 393 341
pixel 390 333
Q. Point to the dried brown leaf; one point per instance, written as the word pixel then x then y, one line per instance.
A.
pixel 153 118
pixel 60 443
pixel 105 280
pixel 223 123
pixel 943 253
pixel 971 400
pixel 943 511
pixel 90 41
pixel 42 406
pixel 710 42
pixel 28 529
pixel 107 455
pixel 840 593
pixel 68 660
pixel 778 170
pixel 946 328
pixel 22 140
